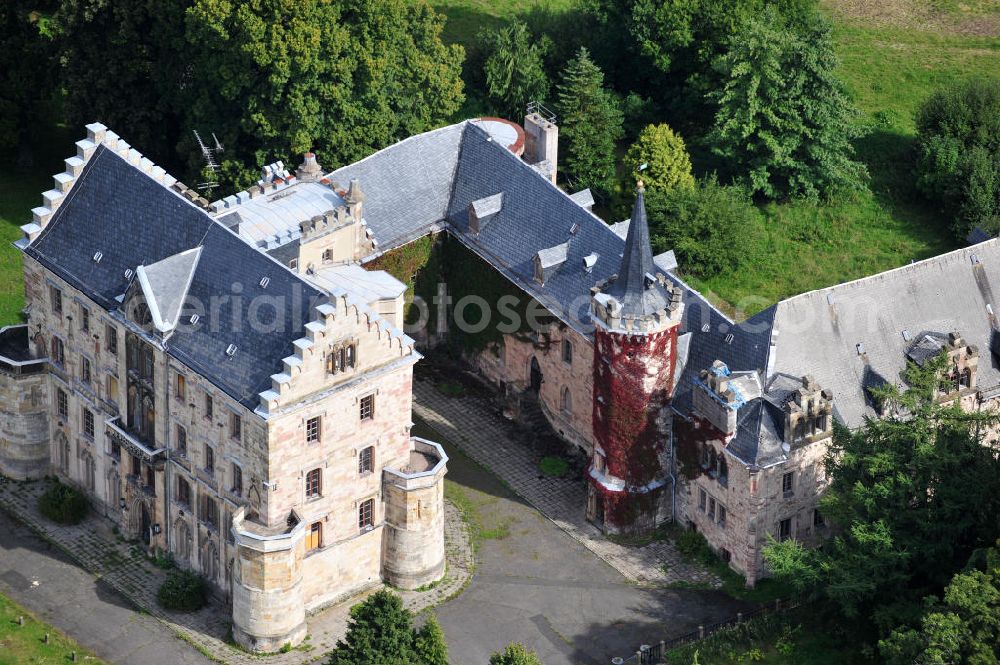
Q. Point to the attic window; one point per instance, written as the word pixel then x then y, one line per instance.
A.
pixel 98 256
pixel 907 336
pixel 264 282
pixel 729 338
pixel 589 262
pixel 194 319
pixel 861 348
pixel 231 350
pixel 128 273
pixel 574 229
pixel 705 328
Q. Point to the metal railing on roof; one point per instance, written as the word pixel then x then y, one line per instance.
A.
pixel 540 109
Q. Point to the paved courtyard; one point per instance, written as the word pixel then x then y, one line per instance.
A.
pixel 472 423
pixel 536 585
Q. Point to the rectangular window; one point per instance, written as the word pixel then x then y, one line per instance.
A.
pixel 722 515
pixel 209 407
pixel 786 484
pixel 327 256
pixel 711 508
pixel 58 352
pixel 702 500
pixel 818 520
pixel 293 264
pixel 366 460
pixel 785 529
pixel 84 319
pixel 235 427
pixel 151 479
pixel 85 370
pixel 183 492
pixel 367 407
pixel 210 512
pixel 88 423
pixel 567 352
pixel 182 440
pixel 62 404
pixel 314 538
pixel 209 459
pixel 314 483
pixel 181 391
pixel 237 480
pixel 313 430
pixel 116 449
pixel 55 295
pixel 112 395
pixel 366 514
pixel 111 339
pixel 136 466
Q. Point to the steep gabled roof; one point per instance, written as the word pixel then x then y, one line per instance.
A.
pixel 636 287
pixel 165 286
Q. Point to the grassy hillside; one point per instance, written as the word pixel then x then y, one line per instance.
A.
pixel 26 644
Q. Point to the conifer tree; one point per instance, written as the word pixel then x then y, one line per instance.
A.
pixel 380 633
pixel 429 644
pixel 515 654
pixel 590 123
pixel 514 69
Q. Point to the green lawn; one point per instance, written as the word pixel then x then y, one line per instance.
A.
pixel 26 644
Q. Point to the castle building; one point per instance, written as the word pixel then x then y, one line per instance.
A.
pixel 216 405
pixel 264 439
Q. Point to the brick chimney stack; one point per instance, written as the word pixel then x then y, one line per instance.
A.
pixel 541 144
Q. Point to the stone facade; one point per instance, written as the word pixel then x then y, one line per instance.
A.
pixel 312 495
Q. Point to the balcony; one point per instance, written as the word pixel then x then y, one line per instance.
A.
pixel 15 353
pixel 132 444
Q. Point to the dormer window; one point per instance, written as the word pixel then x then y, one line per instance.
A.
pixel 141 315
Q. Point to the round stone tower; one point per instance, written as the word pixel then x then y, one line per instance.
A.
pixel 268 611
pixel 413 553
pixel 24 416
pixel 636 314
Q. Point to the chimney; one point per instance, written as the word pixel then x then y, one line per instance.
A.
pixel 808 412
pixel 541 139
pixel 715 400
pixel 309 170
pixel 354 199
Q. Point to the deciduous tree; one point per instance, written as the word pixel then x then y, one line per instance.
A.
pixel 666 161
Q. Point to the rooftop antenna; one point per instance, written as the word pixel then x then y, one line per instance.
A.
pixel 209 156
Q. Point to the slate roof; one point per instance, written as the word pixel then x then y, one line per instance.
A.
pixel 112 201
pixel 636 287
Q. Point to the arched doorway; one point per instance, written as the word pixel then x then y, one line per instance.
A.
pixel 535 375
pixel 145 526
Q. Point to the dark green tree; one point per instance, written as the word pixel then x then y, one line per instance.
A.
pixel 706 226
pixel 429 644
pixel 912 496
pixel 590 124
pixel 124 64
pixel 380 633
pixel 515 654
pixel 28 69
pixel 275 79
pixel 963 628
pixel 514 69
pixel 959 153
pixel 784 122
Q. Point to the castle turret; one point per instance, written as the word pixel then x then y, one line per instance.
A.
pixel 636 314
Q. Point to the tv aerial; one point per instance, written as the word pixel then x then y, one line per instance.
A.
pixel 209 155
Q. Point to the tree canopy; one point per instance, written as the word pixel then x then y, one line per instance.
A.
pixel 381 633
pixel 590 124
pixel 784 122
pixel 514 69
pixel 515 654
pixel 912 496
pixel 665 159
pixel 959 153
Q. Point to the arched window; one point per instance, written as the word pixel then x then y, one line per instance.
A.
pixel 63 444
pixel 965 380
pixel 210 562
pixel 141 315
pixel 88 472
pixel 567 401
pixel 706 456
pixel 182 541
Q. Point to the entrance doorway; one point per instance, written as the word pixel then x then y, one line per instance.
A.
pixel 536 375
pixel 146 525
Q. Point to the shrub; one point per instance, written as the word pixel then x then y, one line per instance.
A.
pixel 515 654
pixel 553 466
pixel 63 504
pixel 183 591
pixel 707 226
pixel 693 547
pixel 959 153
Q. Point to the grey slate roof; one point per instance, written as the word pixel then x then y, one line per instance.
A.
pixel 112 201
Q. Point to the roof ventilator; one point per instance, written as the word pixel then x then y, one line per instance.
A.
pixel 231 350
pixel 264 281
pixel 194 319
pixel 98 256
pixel 861 348
pixel 128 273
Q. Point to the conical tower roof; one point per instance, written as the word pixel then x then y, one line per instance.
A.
pixel 637 288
